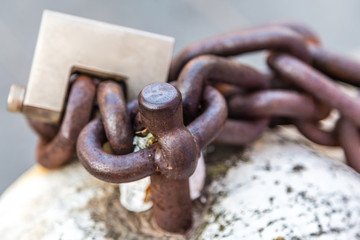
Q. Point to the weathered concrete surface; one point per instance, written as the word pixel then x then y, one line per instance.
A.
pixel 280 188
pixel 284 190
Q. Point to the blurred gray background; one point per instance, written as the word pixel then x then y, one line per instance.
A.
pixel 337 22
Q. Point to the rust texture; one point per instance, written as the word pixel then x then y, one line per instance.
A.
pixel 116 120
pixel 234 43
pixel 46 131
pixel 285 103
pixel 317 84
pixel 335 65
pixel 206 127
pixel 58 151
pixel 312 131
pixel 196 73
pixel 109 167
pixel 240 132
pixel 309 35
pixel 161 111
pixel 172 204
pixel 350 141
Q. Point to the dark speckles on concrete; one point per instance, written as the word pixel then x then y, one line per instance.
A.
pixel 298 168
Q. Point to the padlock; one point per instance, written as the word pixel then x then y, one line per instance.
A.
pixel 68 44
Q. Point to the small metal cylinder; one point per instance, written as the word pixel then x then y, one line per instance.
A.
pixel 16 98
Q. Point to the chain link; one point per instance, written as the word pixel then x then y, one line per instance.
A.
pixel 53 150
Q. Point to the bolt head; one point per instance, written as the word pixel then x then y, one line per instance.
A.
pixel 159 96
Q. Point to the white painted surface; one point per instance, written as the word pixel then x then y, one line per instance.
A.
pixel 285 189
pixel 197 180
pixel 280 187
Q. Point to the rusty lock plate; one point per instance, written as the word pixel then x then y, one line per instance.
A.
pixel 68 44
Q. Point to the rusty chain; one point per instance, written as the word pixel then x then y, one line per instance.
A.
pixel 55 150
pixel 215 99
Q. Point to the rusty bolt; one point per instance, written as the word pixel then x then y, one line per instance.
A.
pixel 161 112
pixel 169 162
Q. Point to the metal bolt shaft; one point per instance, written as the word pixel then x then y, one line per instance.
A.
pixel 172 204
pixel 161 111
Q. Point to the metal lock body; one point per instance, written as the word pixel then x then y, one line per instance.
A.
pixel 67 44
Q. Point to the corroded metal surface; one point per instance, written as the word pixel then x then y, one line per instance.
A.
pixel 61 148
pixel 240 132
pixel 195 75
pixel 109 167
pixel 316 83
pixel 350 141
pixel 161 111
pixel 312 130
pixel 172 207
pixel 116 120
pixel 284 103
pixel 335 65
pixel 238 42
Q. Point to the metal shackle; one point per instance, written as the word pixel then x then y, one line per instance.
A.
pixel 170 161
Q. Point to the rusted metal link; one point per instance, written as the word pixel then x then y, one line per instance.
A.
pixel 46 131
pixel 116 120
pixel 335 65
pixel 195 74
pixel 133 108
pixel 280 103
pixel 206 127
pixel 98 162
pixel 317 84
pixel 350 141
pixel 78 110
pixel 227 90
pixel 240 133
pixel 109 167
pixel 133 111
pixel 309 35
pixel 312 131
pixel 234 43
